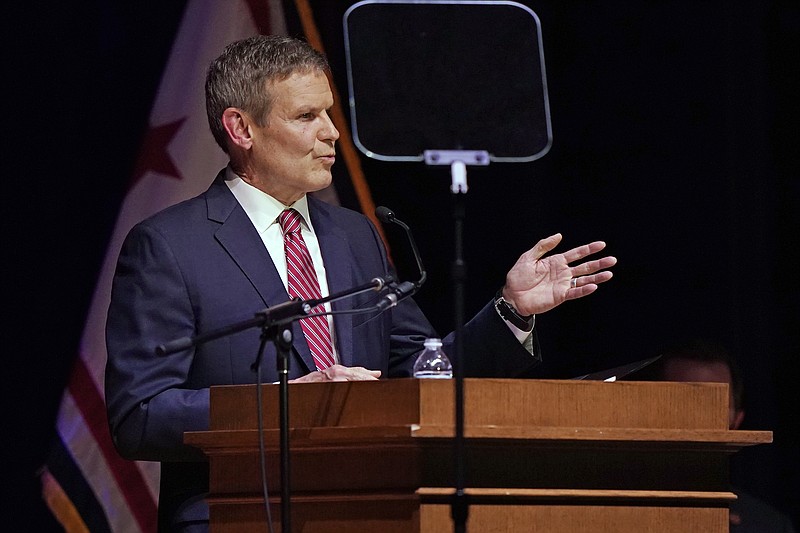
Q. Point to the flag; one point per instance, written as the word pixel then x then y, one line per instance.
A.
pixel 86 484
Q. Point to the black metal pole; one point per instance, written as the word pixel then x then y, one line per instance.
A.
pixel 283 344
pixel 460 505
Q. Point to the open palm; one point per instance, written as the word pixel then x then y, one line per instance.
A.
pixel 537 283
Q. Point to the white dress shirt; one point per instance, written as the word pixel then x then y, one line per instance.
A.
pixel 263 211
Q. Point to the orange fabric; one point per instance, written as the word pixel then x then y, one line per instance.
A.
pixel 60 504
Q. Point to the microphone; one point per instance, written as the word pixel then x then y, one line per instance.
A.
pixel 397 293
pixel 400 291
pixel 387 216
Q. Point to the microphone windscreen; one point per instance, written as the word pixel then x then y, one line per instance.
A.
pixel 384 214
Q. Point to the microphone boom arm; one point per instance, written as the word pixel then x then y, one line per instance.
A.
pixel 283 313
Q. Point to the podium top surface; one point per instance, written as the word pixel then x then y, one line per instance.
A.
pixel 487 402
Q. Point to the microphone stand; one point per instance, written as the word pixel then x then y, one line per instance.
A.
pixel 458 161
pixel 281 337
pixel 275 324
pixel 460 505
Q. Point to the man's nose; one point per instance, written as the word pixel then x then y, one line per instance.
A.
pixel 328 131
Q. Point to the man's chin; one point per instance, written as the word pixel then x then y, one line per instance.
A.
pixel 321 181
pixel 323 189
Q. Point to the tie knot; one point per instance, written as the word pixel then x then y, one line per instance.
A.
pixel 290 221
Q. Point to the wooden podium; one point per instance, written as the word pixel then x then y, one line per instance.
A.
pixel 542 456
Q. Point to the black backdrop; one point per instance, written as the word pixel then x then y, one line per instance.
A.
pixel 674 124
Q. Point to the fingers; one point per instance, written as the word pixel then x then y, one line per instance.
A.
pixel 354 373
pixel 590 267
pixel 594 279
pixel 582 251
pixel 362 374
pixel 545 245
pixel 340 373
pixel 587 276
pixel 580 292
pixel 585 285
pixel 549 243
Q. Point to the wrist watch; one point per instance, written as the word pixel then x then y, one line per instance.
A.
pixel 507 311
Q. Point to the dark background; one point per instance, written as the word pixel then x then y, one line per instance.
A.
pixel 675 132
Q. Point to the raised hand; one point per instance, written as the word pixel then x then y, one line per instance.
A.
pixel 538 282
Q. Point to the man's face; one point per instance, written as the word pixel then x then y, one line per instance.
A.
pixel 293 153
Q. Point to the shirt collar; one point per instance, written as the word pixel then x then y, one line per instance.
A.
pixel 262 209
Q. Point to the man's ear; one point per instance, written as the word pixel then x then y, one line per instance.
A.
pixel 236 124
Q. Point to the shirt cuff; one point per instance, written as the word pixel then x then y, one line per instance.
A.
pixel 524 337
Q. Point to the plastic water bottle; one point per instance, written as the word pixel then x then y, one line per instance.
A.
pixel 432 362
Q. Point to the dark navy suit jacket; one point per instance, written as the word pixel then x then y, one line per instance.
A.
pixel 199 266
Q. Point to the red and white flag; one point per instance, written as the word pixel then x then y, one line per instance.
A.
pixel 86 483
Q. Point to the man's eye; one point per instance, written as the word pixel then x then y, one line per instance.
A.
pixel 306 116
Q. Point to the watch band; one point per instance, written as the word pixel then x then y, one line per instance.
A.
pixel 507 311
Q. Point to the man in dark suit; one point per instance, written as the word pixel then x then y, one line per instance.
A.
pixel 213 260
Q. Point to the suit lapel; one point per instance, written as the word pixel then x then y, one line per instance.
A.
pixel 242 242
pixel 338 268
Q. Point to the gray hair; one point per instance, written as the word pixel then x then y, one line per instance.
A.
pixel 239 77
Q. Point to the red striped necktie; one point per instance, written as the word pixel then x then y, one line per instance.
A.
pixel 303 283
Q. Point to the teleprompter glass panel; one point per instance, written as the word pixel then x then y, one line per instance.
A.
pixel 446 76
